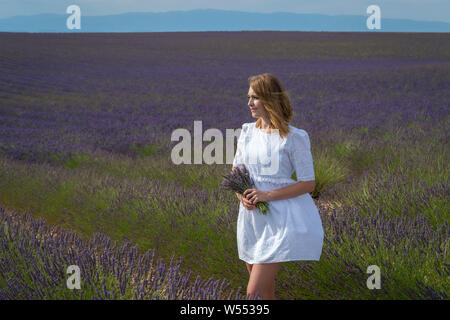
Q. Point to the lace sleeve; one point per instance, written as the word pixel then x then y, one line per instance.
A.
pixel 301 157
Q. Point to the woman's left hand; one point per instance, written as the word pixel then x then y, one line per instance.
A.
pixel 255 195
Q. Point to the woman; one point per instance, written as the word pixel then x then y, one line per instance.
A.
pixel 292 229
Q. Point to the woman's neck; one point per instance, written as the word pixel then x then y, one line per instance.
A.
pixel 265 124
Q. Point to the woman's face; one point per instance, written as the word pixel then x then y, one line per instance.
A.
pixel 256 107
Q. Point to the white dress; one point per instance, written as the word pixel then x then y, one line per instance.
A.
pixel 292 229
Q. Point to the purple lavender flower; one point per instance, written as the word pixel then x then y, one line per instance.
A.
pixel 239 181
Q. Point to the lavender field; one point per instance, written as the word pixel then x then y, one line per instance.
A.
pixel 85 128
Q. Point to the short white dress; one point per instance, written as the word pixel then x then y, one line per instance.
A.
pixel 292 229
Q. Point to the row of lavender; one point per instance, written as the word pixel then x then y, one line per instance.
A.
pixel 34 260
pixel 63 94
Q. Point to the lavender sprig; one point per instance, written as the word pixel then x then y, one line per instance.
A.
pixel 239 181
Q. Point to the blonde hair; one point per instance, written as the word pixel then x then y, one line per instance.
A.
pixel 275 100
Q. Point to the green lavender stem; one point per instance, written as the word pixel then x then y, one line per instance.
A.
pixel 263 207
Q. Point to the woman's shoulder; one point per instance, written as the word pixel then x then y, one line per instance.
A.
pixel 248 125
pixel 299 138
pixel 297 131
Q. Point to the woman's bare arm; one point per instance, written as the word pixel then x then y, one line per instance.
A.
pixel 291 191
pixel 294 190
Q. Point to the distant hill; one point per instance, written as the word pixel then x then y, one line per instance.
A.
pixel 213 20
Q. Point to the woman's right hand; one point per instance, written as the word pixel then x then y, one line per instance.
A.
pixel 247 204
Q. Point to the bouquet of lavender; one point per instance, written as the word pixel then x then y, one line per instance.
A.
pixel 239 181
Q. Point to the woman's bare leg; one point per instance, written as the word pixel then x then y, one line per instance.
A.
pixel 262 280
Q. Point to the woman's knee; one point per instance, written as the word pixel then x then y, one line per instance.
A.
pixel 266 271
pixel 262 280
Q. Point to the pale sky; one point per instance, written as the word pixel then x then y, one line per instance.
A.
pixel 425 10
